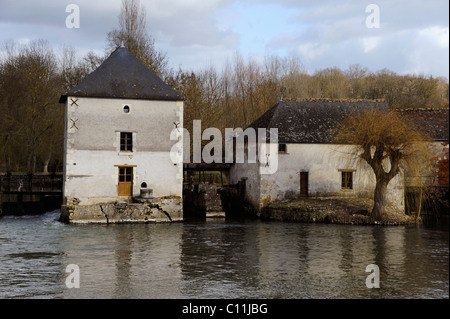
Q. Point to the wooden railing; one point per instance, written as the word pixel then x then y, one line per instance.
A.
pixel 31 184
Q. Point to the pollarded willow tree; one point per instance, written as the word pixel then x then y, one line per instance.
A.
pixel 389 146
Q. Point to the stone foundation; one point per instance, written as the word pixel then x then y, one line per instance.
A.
pixel 335 210
pixel 203 200
pixel 164 209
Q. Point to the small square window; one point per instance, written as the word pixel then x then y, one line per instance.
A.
pixel 126 141
pixel 282 148
pixel 347 180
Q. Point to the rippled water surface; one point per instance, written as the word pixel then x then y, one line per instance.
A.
pixel 219 259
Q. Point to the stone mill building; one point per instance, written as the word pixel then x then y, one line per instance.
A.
pixel 119 134
pixel 309 163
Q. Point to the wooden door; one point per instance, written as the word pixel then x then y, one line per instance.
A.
pixel 303 183
pixel 125 187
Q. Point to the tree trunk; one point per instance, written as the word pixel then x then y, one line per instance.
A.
pixel 419 209
pixel 29 163
pixel 33 168
pixel 379 199
pixel 8 163
pixel 46 163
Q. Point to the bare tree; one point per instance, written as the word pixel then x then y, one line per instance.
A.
pixel 132 33
pixel 29 92
pixel 74 69
pixel 356 75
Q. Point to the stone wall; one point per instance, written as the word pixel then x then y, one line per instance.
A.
pixel 165 209
pixel 343 210
pixel 202 200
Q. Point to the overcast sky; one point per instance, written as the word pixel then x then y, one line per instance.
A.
pixel 412 37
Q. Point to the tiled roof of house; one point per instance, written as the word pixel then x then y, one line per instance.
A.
pixel 433 121
pixel 311 120
pixel 122 75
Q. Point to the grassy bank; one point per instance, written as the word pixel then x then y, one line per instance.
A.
pixel 332 210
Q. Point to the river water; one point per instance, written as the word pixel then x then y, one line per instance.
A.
pixel 219 259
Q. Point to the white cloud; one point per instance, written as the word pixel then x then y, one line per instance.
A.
pixel 437 35
pixel 370 43
pixel 188 22
pixel 413 35
pixel 312 50
pixel 429 52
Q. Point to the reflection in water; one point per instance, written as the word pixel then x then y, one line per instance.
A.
pixel 123 256
pixel 126 261
pixel 217 257
pixel 345 240
pixel 220 259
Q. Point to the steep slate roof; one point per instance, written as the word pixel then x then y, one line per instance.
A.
pixel 310 121
pixel 122 75
pixel 433 121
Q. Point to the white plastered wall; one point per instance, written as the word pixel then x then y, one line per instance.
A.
pixel 324 164
pixel 92 148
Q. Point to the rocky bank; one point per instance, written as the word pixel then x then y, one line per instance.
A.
pixel 332 210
